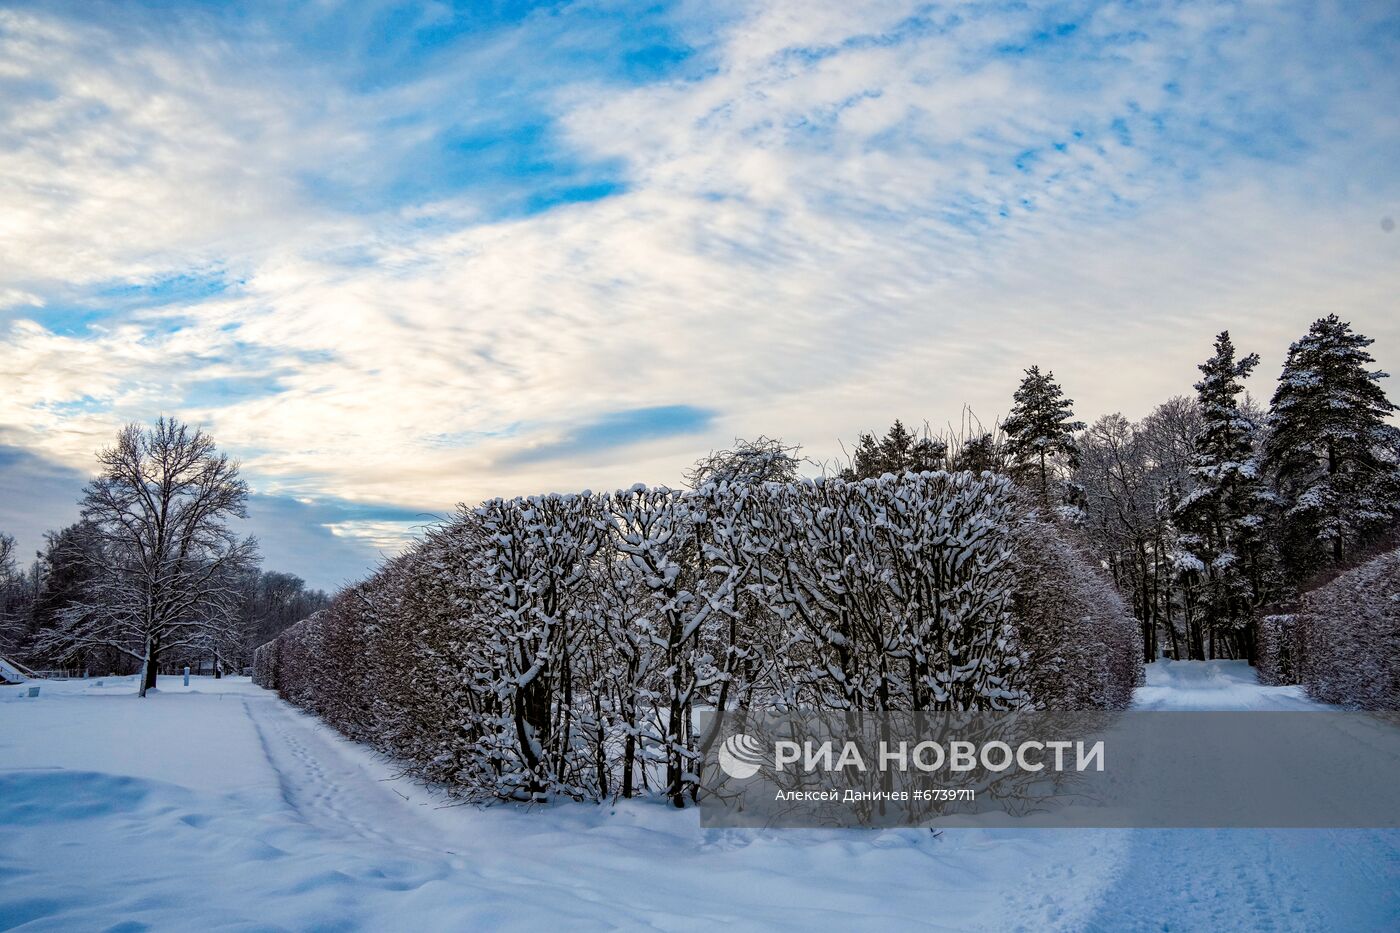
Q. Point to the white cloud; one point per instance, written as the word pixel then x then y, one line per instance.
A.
pixel 823 229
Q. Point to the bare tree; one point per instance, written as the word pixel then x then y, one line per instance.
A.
pixel 11 594
pixel 164 576
pixel 1122 521
pixel 1131 476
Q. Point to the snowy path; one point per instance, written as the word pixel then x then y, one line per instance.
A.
pixel 223 803
pixel 1214 685
pixel 222 806
pixel 1248 879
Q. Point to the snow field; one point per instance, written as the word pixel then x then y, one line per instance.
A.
pixel 222 803
pixel 220 806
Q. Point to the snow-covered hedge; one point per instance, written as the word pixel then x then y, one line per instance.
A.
pixel 1348 637
pixel 1082 643
pixel 558 645
pixel 1278 649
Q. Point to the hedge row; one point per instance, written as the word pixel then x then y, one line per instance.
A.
pixel 558 645
pixel 1343 642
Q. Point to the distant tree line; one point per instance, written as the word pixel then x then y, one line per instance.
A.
pixel 1208 514
pixel 1211 509
pixel 152 577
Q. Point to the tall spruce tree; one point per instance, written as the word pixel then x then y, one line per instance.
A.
pixel 1040 432
pixel 1221 517
pixel 1331 453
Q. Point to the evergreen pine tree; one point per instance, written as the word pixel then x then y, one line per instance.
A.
pixel 978 454
pixel 868 461
pixel 1330 451
pixel 1040 432
pixel 899 451
pixel 1221 518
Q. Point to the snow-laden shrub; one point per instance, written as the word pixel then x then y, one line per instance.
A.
pixel 1349 637
pixel 265 664
pixel 893 593
pixel 558 645
pixel 1278 649
pixel 1081 641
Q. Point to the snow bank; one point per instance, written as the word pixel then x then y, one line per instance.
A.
pixel 1201 686
pixel 221 807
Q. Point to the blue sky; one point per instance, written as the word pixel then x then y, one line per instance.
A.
pixel 400 255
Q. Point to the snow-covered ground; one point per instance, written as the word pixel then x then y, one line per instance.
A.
pixel 1214 685
pixel 221 807
pixel 1247 879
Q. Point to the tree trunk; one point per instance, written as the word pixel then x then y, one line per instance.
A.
pixel 148 666
pixel 629 745
pixel 1044 483
pixel 1331 473
pixel 629 753
pixel 532 732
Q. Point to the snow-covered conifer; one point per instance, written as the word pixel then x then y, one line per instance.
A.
pixel 1330 451
pixel 1221 517
pixel 1040 434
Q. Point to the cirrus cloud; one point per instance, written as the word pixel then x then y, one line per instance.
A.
pixel 435 256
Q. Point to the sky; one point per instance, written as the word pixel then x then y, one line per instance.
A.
pixel 397 256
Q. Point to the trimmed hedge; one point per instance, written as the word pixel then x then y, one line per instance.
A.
pixel 1345 638
pixel 558 645
pixel 1081 639
pixel 1278 649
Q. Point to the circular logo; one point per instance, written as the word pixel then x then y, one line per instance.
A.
pixel 740 756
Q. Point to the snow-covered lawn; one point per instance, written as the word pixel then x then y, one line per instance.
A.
pixel 218 806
